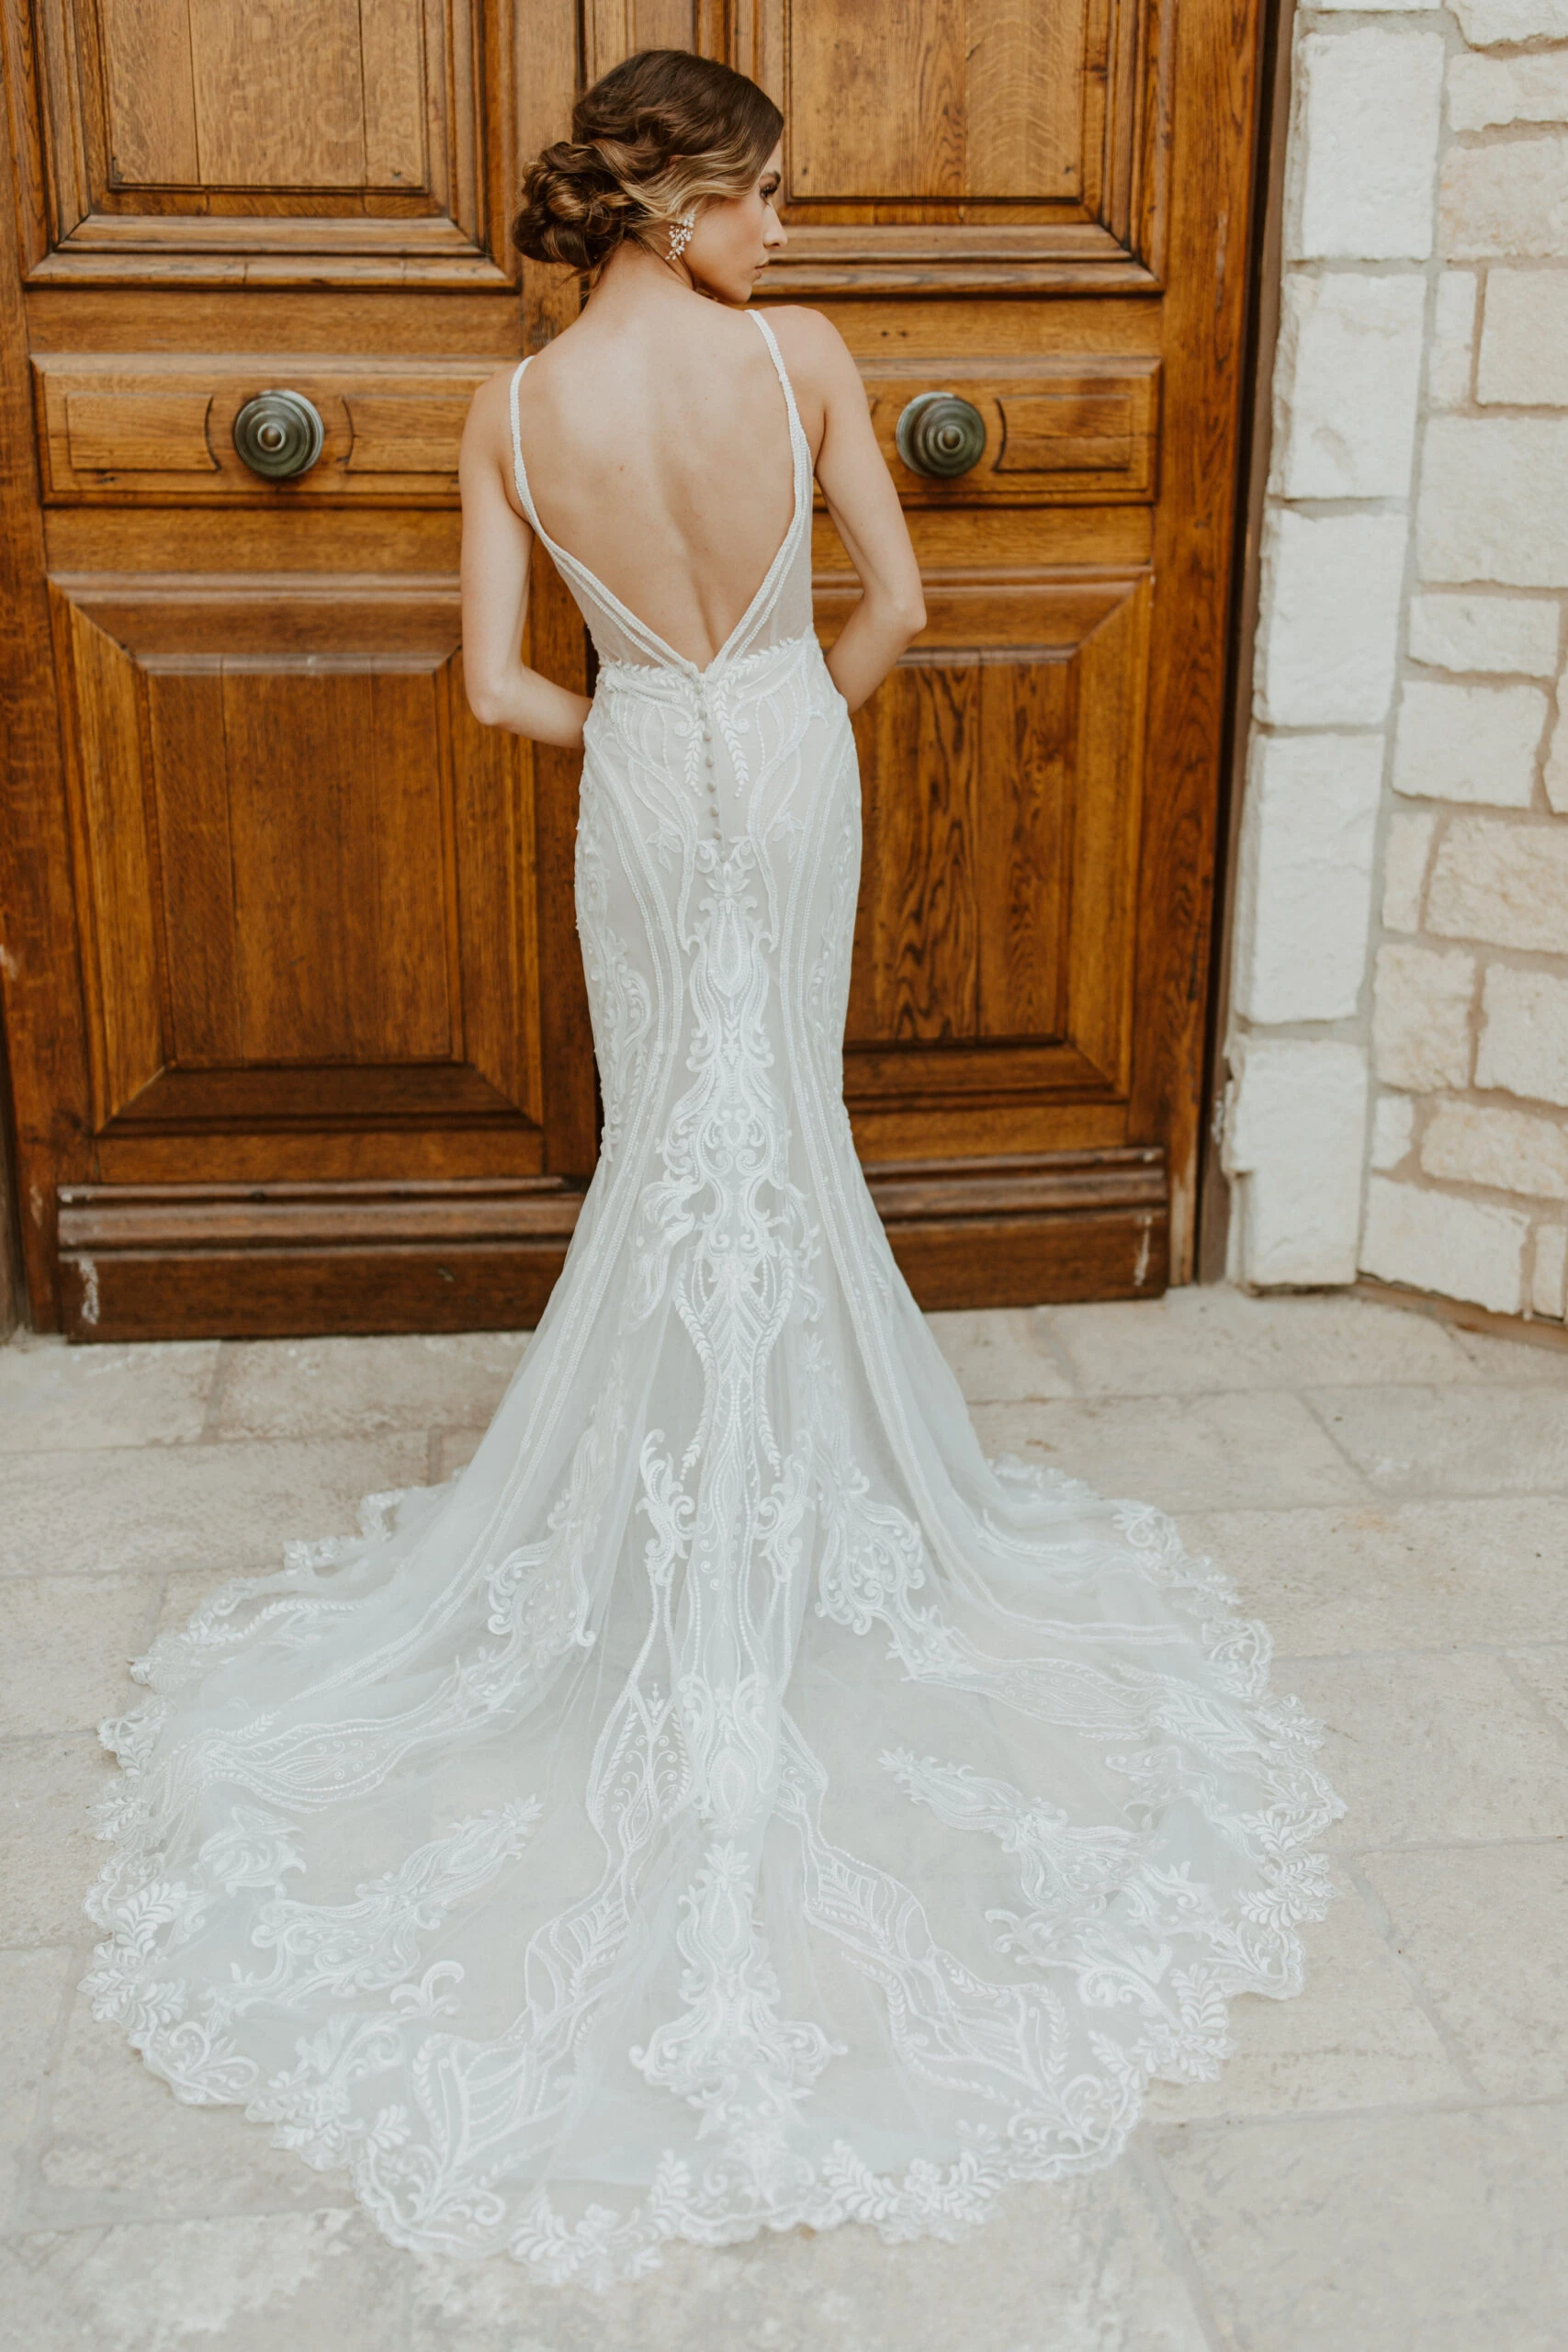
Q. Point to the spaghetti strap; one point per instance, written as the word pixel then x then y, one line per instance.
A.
pixel 519 470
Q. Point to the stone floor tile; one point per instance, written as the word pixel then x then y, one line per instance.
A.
pixel 117 2145
pixel 1486 1928
pixel 1544 1673
pixel 56 1396
pixel 999 1355
pixel 227 1507
pixel 1473 1440
pixel 32 1985
pixel 1432 1749
pixel 48 1855
pixel 1209 1338
pixel 321 2281
pixel 1382 2232
pixel 455 1449
pixel 1184 1454
pixel 1397 1575
pixel 1513 1361
pixel 310 1388
pixel 64 1646
pixel 1357 2035
pixel 1078 2267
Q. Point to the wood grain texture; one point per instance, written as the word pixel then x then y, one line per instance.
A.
pixel 193 143
pixel 150 93
pixel 146 429
pixel 1210 98
pixel 1058 431
pixel 963 100
pixel 116 896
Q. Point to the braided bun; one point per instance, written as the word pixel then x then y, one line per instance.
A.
pixel 661 133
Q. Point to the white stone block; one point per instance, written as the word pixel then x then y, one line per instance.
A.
pixel 1506 884
pixel 1548 1282
pixel 1471 1143
pixel 1406 852
pixel 1330 605
pixel 1524 1034
pixel 1524 337
pixel 1452 355
pixel 1306 876
pixel 1347 380
pixel 1484 91
pixel 1493 500
pixel 1468 742
pixel 1366 114
pixel 1421 1017
pixel 1491 634
pixel 1555 772
pixel 1297 1130
pixel 1393 1125
pixel 1489 22
pixel 1510 199
pixel 1435 1241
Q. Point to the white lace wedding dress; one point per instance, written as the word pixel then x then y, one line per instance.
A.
pixel 730 1802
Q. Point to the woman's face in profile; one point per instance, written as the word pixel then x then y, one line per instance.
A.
pixel 737 236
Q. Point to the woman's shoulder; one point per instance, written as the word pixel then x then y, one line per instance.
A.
pixel 820 365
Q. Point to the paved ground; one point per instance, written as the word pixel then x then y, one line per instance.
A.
pixel 1384 2166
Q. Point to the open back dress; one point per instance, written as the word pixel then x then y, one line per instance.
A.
pixel 730 1802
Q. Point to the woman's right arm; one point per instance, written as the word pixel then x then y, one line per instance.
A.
pixel 497 547
pixel 865 506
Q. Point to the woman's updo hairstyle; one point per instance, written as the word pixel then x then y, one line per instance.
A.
pixel 659 133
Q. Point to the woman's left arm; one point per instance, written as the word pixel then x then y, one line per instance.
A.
pixel 497 549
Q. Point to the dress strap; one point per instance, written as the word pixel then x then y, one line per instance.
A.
pixel 797 440
pixel 519 470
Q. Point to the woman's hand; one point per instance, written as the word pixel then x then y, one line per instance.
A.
pixel 497 547
pixel 861 499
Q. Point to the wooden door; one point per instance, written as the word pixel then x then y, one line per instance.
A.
pixel 296 1019
pixel 1043 210
pixel 296 1027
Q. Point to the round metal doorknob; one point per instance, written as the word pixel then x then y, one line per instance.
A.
pixel 941 434
pixel 280 435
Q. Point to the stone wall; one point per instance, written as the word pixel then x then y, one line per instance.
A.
pixel 1398 1039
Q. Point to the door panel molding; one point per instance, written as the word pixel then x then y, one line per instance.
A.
pixel 134 428
pixel 996 147
pixel 377 144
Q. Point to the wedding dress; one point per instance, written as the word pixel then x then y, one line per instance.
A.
pixel 730 1802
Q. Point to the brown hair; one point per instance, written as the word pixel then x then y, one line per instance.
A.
pixel 661 132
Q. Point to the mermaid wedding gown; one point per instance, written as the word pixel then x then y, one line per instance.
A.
pixel 730 1802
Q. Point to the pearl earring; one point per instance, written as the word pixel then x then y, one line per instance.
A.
pixel 680 234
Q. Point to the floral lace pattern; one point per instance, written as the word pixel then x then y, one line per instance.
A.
pixel 731 1803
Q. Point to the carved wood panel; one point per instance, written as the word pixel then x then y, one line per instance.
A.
pixel 191 140
pixel 140 428
pixel 966 144
pixel 302 872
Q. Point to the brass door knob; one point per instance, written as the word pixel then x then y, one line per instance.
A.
pixel 939 433
pixel 280 435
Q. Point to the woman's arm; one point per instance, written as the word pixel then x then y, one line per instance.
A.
pixel 863 505
pixel 497 546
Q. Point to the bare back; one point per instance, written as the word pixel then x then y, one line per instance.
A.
pixel 658 452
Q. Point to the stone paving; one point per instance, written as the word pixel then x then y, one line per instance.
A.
pixel 1384 2166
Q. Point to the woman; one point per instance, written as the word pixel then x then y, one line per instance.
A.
pixel 731 1803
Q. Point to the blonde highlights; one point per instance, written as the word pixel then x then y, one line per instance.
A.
pixel 657 137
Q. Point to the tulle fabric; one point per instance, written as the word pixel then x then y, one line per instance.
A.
pixel 730 1802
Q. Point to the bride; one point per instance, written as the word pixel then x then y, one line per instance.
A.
pixel 731 1803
